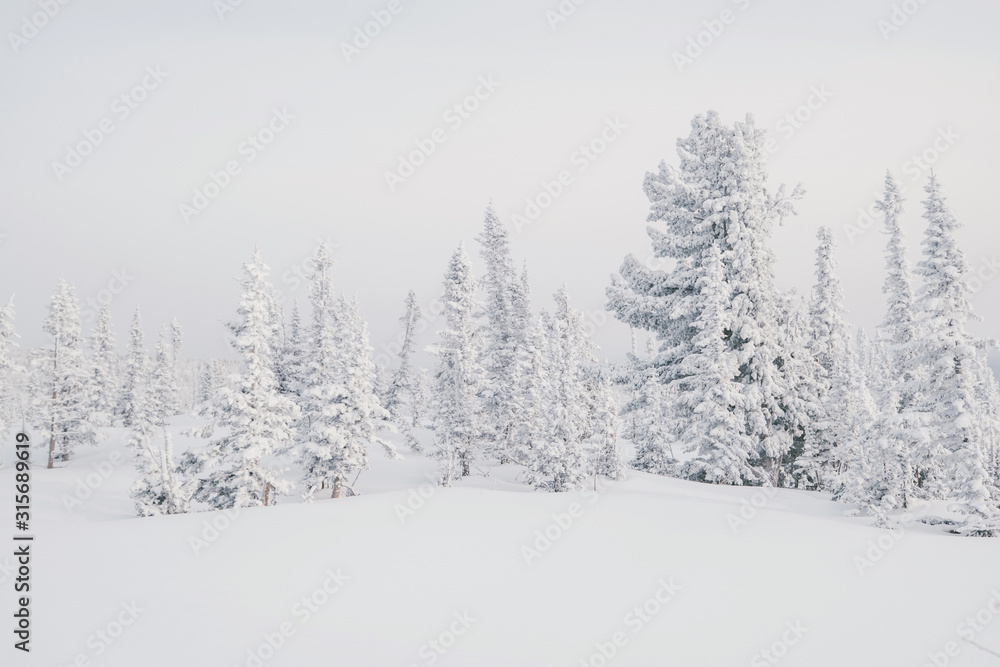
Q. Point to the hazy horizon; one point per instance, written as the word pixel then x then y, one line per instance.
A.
pixel 209 82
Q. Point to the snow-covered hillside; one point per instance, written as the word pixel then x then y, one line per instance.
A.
pixel 650 570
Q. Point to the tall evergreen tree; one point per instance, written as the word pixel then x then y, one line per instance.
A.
pixel 606 459
pixel 717 198
pixel 830 346
pixel 560 461
pixel 340 406
pixel 135 370
pixel 239 469
pixel 63 410
pixel 651 434
pixel 159 487
pixel 504 333
pixel 889 474
pixel 804 409
pixel 292 373
pixel 535 393
pixel 162 392
pixel 104 384
pixel 899 329
pixel 951 357
pixel 405 395
pixel 457 403
pixel 707 412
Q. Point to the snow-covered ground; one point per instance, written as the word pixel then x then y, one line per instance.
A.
pixel 651 571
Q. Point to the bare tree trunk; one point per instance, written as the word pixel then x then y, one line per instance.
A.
pixel 508 427
pixel 336 488
pixel 267 493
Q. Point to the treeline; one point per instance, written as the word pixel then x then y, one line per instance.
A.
pixel 741 383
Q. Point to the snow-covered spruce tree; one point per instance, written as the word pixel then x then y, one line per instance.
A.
pixel 159 487
pixel 135 370
pixel 533 425
pixel 405 395
pixel 176 334
pixel 292 364
pixel 459 380
pixel 62 409
pixel 162 384
pixel 341 410
pixel 176 340
pixel 104 384
pixel 651 435
pixel 504 333
pixel 239 468
pixel 707 411
pixel 559 462
pixel 989 392
pixel 606 458
pixel 322 451
pixel 718 197
pixel 829 344
pixel 887 477
pixel 363 412
pixel 214 375
pixel 850 411
pixel 898 328
pixel 803 399
pixel 645 411
pixel 951 357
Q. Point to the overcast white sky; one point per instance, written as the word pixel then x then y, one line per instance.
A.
pixel 323 175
